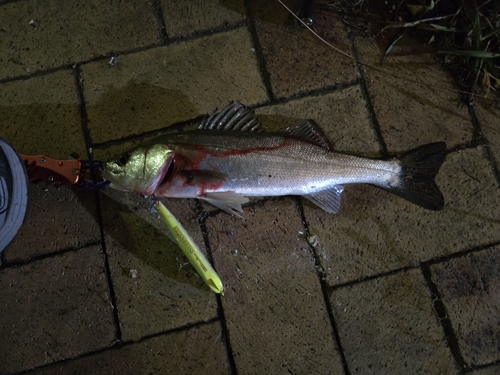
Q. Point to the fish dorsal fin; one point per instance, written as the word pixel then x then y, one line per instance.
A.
pixel 329 200
pixel 234 117
pixel 309 131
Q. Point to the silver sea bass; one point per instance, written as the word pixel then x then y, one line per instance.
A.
pixel 230 158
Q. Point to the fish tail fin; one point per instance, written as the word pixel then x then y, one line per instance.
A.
pixel 416 183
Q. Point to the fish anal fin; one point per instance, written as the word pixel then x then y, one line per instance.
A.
pixel 309 131
pixel 228 201
pixel 329 199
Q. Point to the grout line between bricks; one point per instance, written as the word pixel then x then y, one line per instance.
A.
pixel 202 217
pixel 444 320
pixel 158 12
pixel 324 288
pixel 321 91
pixel 366 95
pixel 97 201
pixel 459 254
pixel 107 268
pixel 478 133
pixel 108 55
pixel 372 277
pixel 481 139
pixel 119 345
pixel 10 1
pixel 427 263
pixel 266 77
pixel 157 132
pixel 77 73
pixel 493 364
pixel 21 263
pixel 179 125
pixel 38 73
pixel 208 32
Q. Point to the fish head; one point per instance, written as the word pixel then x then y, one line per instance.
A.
pixel 140 170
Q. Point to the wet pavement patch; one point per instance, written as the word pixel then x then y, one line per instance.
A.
pixel 470 287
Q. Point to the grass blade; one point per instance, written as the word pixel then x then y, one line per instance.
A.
pixel 468 53
pixel 391 47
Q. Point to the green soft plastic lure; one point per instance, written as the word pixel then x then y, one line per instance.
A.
pixel 191 250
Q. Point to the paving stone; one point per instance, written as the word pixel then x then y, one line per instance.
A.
pixel 194 350
pixel 388 326
pixel 470 290
pixel 296 60
pixel 273 303
pixel 410 113
pixel 342 115
pixel 184 18
pixel 492 370
pixel 376 232
pixel 110 151
pixel 155 88
pixel 54 309
pixel 56 219
pixel 156 287
pixel 38 36
pixel 41 115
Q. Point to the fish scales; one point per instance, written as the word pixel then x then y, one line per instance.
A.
pixel 229 159
pixel 272 166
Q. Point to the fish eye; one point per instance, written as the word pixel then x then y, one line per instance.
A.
pixel 122 160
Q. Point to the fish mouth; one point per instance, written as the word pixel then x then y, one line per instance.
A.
pixel 171 170
pixel 108 172
pixel 164 176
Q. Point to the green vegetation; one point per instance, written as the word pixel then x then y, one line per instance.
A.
pixel 467 35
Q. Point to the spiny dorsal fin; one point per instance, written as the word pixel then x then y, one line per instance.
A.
pixel 309 131
pixel 234 117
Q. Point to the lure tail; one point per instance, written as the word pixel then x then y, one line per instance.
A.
pixel 419 167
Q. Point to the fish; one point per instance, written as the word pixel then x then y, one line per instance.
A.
pixel 230 157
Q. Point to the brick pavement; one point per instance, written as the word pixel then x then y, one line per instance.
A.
pixel 92 284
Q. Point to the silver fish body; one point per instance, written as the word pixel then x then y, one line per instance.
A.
pixel 223 165
pixel 263 165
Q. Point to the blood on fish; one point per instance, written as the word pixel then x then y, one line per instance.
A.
pixel 213 186
pixel 214 168
pixel 203 152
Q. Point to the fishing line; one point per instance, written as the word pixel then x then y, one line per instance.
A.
pixel 378 69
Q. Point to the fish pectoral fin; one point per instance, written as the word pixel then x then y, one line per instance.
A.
pixel 228 201
pixel 329 200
